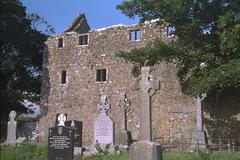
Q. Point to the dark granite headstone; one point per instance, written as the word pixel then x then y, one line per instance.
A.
pixel 77 127
pixel 60 143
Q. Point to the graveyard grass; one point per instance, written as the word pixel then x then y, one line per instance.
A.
pixel 31 152
pixel 25 152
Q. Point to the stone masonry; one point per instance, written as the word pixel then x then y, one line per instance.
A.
pixel 173 114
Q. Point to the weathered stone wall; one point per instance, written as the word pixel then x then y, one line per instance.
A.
pixel 172 112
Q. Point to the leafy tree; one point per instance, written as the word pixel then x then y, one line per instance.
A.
pixel 20 58
pixel 40 24
pixel 207 47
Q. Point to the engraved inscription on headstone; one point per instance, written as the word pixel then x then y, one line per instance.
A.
pixel 77 128
pixel 103 128
pixel 60 143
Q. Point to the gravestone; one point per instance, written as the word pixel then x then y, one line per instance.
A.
pixel 123 135
pixel 60 141
pixel 76 126
pixel 145 149
pixel 198 137
pixel 103 127
pixel 12 125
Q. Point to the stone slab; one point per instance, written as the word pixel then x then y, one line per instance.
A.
pixel 21 139
pixel 145 150
pixel 124 138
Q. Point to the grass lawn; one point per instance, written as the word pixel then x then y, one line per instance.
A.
pixel 202 156
pixel 30 152
pixel 26 152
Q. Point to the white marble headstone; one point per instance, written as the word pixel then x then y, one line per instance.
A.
pixel 103 127
pixel 103 131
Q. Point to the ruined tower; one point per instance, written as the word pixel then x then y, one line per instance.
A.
pixel 80 65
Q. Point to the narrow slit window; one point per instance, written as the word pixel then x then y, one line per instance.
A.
pixel 135 35
pixel 83 39
pixel 101 75
pixel 60 42
pixel 64 77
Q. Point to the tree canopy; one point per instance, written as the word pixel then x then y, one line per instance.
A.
pixel 207 47
pixel 20 56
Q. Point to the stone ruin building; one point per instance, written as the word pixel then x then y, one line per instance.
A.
pixel 80 65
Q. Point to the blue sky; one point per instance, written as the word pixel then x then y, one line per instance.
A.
pixel 60 13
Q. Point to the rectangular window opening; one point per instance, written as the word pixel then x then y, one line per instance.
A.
pixel 83 39
pixel 170 31
pixel 101 75
pixel 135 35
pixel 64 77
pixel 60 42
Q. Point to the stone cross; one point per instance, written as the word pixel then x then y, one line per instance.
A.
pixel 123 104
pixel 147 87
pixel 198 100
pixel 12 125
pixel 103 106
pixel 61 119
